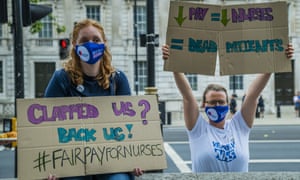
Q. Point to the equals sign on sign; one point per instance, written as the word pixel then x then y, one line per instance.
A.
pixel 215 16
pixel 177 44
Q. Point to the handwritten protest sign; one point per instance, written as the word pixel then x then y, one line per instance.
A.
pixel 249 38
pixel 92 135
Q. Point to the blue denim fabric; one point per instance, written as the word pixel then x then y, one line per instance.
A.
pixel 78 178
pixel 116 176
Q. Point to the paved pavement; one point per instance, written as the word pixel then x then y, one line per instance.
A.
pixel 271 119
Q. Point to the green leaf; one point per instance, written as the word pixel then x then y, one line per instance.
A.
pixel 36 27
pixel 60 29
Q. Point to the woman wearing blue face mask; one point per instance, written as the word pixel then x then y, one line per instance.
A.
pixel 219 145
pixel 89 72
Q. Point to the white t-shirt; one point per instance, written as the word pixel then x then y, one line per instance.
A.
pixel 295 99
pixel 220 150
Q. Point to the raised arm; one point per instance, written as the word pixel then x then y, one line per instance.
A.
pixel 249 105
pixel 256 87
pixel 190 105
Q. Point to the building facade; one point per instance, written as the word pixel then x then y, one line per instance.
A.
pixel 41 53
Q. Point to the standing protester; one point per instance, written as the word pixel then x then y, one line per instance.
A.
pixel 233 104
pixel 219 145
pixel 296 100
pixel 89 72
pixel 261 107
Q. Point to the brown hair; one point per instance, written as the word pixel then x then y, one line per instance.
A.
pixel 213 87
pixel 73 66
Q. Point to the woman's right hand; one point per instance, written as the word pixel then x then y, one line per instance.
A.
pixel 165 51
pixel 289 51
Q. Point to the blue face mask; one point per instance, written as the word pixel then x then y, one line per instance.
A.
pixel 90 52
pixel 216 113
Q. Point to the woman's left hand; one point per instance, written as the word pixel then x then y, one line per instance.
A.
pixel 165 51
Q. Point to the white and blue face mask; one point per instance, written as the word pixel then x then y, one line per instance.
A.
pixel 216 113
pixel 90 52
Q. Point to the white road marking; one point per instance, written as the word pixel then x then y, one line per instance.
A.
pixel 274 161
pixel 251 141
pixel 266 161
pixel 274 141
pixel 180 163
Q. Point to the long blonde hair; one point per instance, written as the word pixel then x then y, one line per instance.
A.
pixel 73 66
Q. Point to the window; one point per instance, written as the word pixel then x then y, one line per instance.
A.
pixel 142 75
pixel 236 82
pixel 93 12
pixel 284 87
pixel 192 78
pixel 43 73
pixel 46 34
pixel 141 20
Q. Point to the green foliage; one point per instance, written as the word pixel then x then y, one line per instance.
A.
pixel 59 28
pixel 38 25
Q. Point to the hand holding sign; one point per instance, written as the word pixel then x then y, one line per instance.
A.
pixel 241 35
pixel 89 136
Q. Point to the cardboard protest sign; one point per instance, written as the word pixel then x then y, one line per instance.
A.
pixel 93 135
pixel 249 38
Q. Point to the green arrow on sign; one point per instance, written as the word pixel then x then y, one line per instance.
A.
pixel 224 19
pixel 180 18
